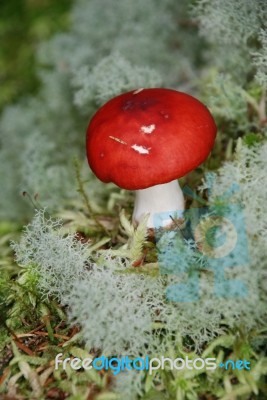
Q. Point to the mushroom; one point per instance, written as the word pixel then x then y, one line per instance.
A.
pixel 144 140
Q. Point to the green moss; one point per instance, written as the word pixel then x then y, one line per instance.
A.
pixel 23 24
pixel 252 139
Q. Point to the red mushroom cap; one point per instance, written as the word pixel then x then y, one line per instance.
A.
pixel 148 137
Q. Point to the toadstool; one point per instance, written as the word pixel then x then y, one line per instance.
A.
pixel 144 140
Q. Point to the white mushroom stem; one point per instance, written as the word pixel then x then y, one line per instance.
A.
pixel 160 202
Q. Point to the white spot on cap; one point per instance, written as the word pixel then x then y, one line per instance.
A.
pixel 148 129
pixel 141 149
pixel 164 114
pixel 138 91
pixel 117 140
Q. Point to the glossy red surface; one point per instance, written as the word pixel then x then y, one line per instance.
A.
pixel 146 137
